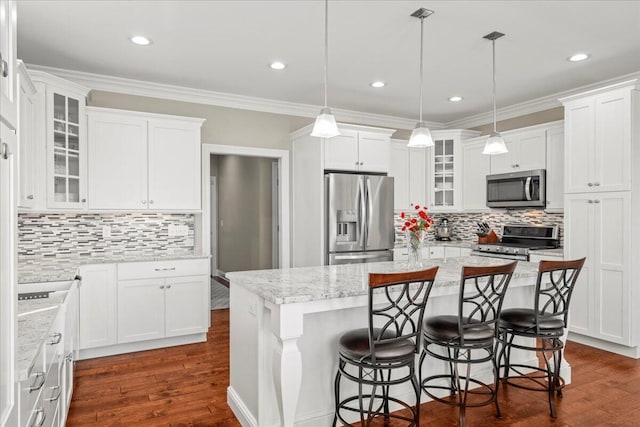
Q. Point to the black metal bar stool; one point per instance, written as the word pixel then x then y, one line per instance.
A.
pixel 545 322
pixel 367 356
pixel 468 337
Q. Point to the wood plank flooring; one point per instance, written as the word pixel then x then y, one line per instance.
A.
pixel 186 386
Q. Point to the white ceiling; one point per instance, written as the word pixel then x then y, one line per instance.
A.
pixel 225 46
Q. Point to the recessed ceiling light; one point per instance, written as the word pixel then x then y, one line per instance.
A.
pixel 455 98
pixel 277 65
pixel 140 40
pixel 578 57
pixel 378 84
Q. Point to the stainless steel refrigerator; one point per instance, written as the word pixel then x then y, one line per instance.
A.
pixel 359 218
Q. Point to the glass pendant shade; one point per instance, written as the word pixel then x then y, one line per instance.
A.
pixel 325 125
pixel 421 137
pixel 495 145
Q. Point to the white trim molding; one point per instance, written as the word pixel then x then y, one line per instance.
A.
pixel 204 225
pixel 220 99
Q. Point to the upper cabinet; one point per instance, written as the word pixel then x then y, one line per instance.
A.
pixel 527 151
pixel 26 139
pixel 445 166
pixel 474 178
pixel 555 167
pixel 358 149
pixel 141 161
pixel 8 75
pixel 599 129
pixel 60 158
pixel 408 167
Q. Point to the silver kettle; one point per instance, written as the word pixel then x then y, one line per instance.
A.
pixel 444 229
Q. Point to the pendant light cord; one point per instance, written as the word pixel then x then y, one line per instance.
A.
pixel 326 49
pixel 421 62
pixel 493 43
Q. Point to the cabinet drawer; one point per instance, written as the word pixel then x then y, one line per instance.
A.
pixel 31 387
pixel 44 412
pixel 54 341
pixel 153 269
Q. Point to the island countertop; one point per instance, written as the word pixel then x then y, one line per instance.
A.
pixel 303 284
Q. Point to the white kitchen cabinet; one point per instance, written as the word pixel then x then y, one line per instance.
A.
pixel 358 149
pixel 474 176
pixel 157 159
pixel 533 257
pixel 418 173
pixel 60 125
pixel 555 168
pixel 399 170
pixel 97 300
pixel 527 151
pixel 444 182
pixel 8 59
pixel 26 138
pixel 600 130
pixel 70 351
pixel 160 307
pixel 117 161
pixel 597 227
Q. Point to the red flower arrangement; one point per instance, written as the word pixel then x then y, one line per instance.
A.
pixel 421 222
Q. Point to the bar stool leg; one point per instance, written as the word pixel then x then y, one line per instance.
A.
pixel 454 388
pixel 496 375
pixel 558 366
pixel 360 400
pixel 550 378
pixel 418 391
pixel 336 391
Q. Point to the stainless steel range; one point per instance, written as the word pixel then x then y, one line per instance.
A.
pixel 519 240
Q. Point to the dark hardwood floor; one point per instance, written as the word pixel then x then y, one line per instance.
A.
pixel 186 386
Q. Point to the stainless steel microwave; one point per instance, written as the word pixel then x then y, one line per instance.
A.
pixel 517 189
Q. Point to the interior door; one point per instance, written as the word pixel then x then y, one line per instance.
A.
pixel 379 219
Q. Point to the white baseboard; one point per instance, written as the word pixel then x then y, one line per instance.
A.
pixel 623 350
pixel 240 410
pixel 90 353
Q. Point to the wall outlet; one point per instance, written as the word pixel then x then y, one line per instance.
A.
pixel 178 230
pixel 106 231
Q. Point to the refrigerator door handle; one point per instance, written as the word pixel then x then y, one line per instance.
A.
pixel 370 207
pixel 362 216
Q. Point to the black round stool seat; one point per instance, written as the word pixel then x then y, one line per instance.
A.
pixel 523 320
pixel 445 328
pixel 355 345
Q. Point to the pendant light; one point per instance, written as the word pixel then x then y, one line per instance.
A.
pixel 421 136
pixel 495 143
pixel 325 125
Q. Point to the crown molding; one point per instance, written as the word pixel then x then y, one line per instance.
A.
pixel 184 94
pixel 536 105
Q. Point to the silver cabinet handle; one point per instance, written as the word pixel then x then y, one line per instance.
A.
pixel 69 357
pixel 590 184
pixel 165 269
pixel 589 201
pixel 161 286
pixel 57 396
pixel 38 383
pixel 596 201
pixel 55 338
pixel 4 67
pixel 150 202
pixel 84 200
pixel 4 151
pixel 30 197
pixel 361 163
pixel 38 420
pixel 596 184
pixel 144 202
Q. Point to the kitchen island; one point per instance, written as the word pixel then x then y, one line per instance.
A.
pixel 285 326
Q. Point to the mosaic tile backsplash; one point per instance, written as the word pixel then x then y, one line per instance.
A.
pixel 80 235
pixel 464 224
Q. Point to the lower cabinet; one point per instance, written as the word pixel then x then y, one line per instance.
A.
pixel 138 302
pixel 433 252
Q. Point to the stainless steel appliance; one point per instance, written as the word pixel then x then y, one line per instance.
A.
pixel 359 218
pixel 517 189
pixel 444 230
pixel 518 241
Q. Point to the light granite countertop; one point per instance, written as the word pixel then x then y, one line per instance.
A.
pixel 34 320
pixel 304 284
pixel 61 269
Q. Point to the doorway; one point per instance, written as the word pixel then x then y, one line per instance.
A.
pixel 243 213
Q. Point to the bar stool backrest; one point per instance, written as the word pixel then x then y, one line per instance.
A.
pixel 556 280
pixel 482 291
pixel 399 311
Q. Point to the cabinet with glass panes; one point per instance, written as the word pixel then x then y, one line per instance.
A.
pixel 66 149
pixel 446 171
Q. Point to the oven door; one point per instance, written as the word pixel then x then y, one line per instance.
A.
pixel 518 189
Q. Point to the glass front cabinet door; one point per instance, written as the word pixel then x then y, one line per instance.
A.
pixel 66 150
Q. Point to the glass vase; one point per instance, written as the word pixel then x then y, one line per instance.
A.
pixel 414 246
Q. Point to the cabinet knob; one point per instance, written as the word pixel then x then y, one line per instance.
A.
pixel 590 201
pixel 168 286
pixel 30 197
pixel 596 201
pixel 361 163
pixel 356 163
pixel 596 184
pixel 161 286
pixel 150 202
pixel 4 150
pixel 144 202
pixel 84 200
pixel 589 184
pixel 4 67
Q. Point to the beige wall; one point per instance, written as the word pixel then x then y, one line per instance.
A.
pixel 538 118
pixel 244 207
pixel 228 126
